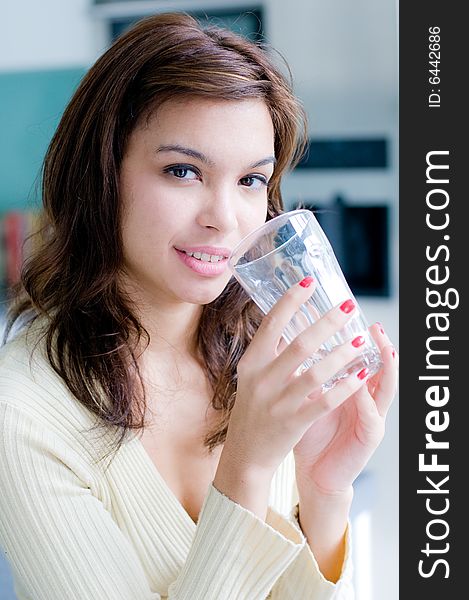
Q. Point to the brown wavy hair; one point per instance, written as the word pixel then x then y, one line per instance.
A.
pixel 92 331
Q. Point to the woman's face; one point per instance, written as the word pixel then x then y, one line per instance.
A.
pixel 193 179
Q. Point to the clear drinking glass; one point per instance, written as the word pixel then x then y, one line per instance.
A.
pixel 281 253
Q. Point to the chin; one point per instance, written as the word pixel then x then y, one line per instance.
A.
pixel 204 294
pixel 201 299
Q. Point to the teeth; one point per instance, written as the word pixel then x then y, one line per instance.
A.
pixel 206 257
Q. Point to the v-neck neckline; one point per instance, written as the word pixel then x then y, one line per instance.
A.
pixel 163 485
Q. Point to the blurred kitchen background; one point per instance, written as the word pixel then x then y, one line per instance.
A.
pixel 343 57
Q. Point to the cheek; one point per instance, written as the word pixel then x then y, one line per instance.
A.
pixel 253 218
pixel 150 228
pixel 151 215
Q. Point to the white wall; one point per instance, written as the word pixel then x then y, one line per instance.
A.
pixel 344 61
pixel 49 34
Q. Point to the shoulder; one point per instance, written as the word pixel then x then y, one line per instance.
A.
pixel 31 390
pixel 27 379
pixel 23 365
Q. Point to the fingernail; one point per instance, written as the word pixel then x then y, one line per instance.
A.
pixel 380 327
pixel 347 306
pixel 363 373
pixel 394 354
pixel 358 341
pixel 307 281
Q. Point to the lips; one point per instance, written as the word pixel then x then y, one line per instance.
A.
pixel 206 257
pixel 210 250
pixel 201 267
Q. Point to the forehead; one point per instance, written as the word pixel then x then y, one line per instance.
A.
pixel 212 126
pixel 209 106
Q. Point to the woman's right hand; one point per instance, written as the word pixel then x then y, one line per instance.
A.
pixel 275 406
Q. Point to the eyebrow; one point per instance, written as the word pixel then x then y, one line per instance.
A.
pixel 198 155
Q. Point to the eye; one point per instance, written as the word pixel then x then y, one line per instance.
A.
pixel 180 172
pixel 261 181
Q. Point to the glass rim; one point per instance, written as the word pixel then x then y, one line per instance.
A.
pixel 247 241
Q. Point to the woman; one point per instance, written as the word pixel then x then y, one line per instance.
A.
pixel 156 440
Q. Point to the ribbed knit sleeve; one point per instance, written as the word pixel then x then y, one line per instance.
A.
pixel 253 557
pixel 303 579
pixel 58 538
pixel 235 555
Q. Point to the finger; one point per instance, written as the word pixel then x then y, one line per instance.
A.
pixel 366 405
pixel 264 344
pixel 320 404
pixel 372 424
pixel 282 345
pixel 305 316
pixel 386 386
pixel 367 410
pixel 382 341
pixel 314 377
pixel 309 341
pixel 380 336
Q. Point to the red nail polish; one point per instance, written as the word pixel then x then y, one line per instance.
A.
pixel 347 306
pixel 380 327
pixel 394 354
pixel 363 373
pixel 307 281
pixel 358 341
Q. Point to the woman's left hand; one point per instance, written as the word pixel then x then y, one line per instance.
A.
pixel 336 448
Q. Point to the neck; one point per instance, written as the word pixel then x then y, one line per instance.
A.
pixel 172 325
pixel 172 329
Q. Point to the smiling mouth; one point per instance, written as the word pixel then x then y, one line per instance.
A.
pixel 203 257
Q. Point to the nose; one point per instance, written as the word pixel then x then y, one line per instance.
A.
pixel 218 210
